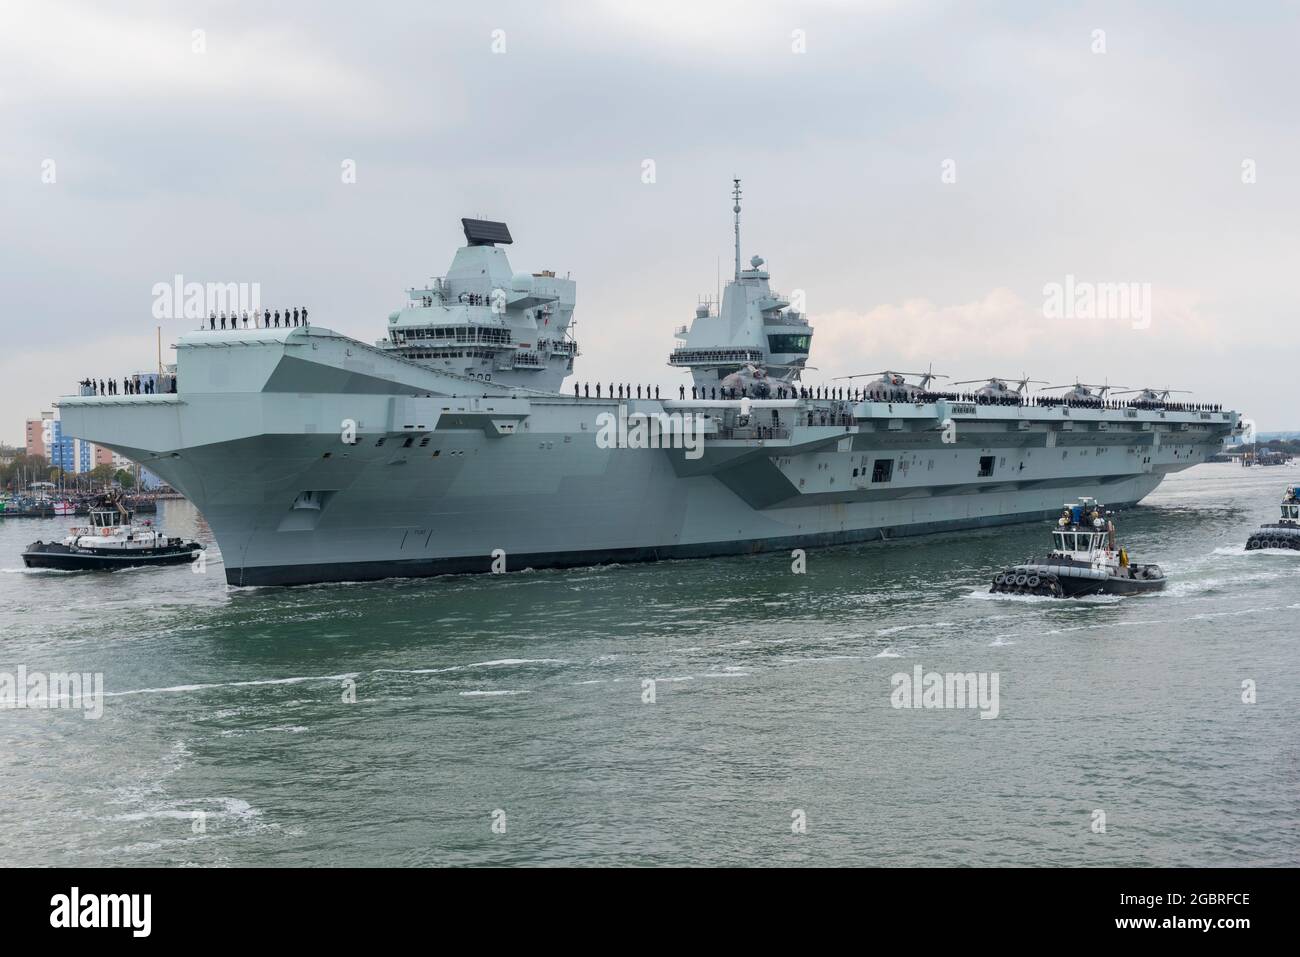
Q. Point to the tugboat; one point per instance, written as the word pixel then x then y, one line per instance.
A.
pixel 1084 561
pixel 1283 534
pixel 110 542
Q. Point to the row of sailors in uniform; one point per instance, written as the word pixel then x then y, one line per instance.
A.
pixel 888 395
pixel 129 386
pixel 624 391
pixel 269 320
pixel 699 392
pixel 1099 403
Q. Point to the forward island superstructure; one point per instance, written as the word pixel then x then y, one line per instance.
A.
pixel 449 447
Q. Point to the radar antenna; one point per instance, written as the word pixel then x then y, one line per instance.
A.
pixel 735 195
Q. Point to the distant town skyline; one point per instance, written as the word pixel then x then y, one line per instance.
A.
pixel 1090 191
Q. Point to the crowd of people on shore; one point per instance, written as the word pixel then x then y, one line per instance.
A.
pixel 297 316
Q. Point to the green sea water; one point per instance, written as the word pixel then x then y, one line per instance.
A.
pixel 508 719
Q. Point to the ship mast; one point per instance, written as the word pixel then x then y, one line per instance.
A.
pixel 735 195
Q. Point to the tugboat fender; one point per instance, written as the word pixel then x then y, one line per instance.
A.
pixel 1065 571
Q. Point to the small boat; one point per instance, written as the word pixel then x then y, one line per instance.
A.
pixel 111 541
pixel 1282 534
pixel 1084 561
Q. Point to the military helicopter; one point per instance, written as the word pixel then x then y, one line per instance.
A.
pixel 891 381
pixel 1149 396
pixel 1083 392
pixel 999 389
pixel 751 380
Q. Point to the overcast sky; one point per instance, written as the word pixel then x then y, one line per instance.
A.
pixel 1124 166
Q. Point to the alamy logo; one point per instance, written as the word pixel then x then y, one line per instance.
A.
pixel 651 430
pixel 199 300
pixel 1130 301
pixel 932 690
pixel 51 690
pixel 103 910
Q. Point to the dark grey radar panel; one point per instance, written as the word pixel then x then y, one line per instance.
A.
pixel 484 232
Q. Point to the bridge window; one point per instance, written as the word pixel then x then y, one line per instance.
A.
pixel 986 465
pixel 882 470
pixel 789 343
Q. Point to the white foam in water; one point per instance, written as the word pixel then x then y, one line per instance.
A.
pixel 984 595
pixel 1181 589
pixel 235 808
pixel 503 662
pixel 231 684
pixel 285 729
pixel 1242 550
pixel 516 661
pixel 897 628
pixel 490 694
pixel 889 653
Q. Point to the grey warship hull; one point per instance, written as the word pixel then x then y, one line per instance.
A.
pixel 445 447
pixel 442 475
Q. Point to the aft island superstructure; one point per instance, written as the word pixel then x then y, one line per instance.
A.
pixel 449 447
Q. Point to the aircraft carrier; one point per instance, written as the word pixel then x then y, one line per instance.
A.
pixel 448 446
